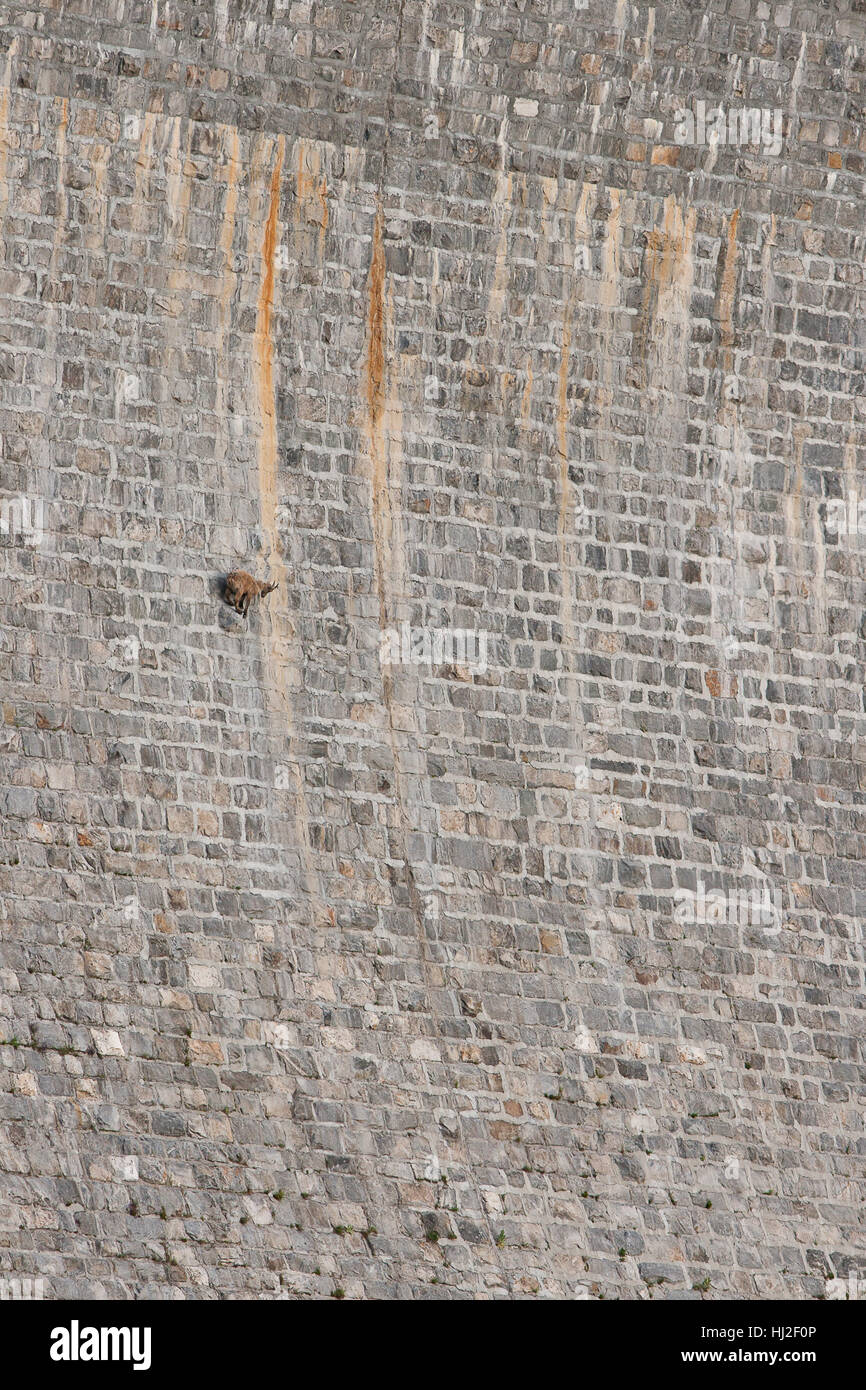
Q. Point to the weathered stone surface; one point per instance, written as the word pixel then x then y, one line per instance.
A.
pixel 321 973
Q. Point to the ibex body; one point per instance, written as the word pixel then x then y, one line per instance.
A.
pixel 242 588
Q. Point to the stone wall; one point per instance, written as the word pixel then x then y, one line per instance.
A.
pixel 483 916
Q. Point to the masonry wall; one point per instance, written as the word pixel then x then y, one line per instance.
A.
pixel 533 976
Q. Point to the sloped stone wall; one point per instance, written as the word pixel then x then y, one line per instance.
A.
pixel 483 916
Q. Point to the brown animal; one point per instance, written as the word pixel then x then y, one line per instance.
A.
pixel 241 589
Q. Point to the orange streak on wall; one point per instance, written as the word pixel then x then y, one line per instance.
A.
pixel 376 325
pixel 97 200
pixel 62 200
pixel 264 365
pixel 282 668
pixel 374 385
pixel 581 238
pixel 228 226
pixel 4 126
pixel 228 278
pixel 142 170
pixel 178 194
pixel 663 318
pixel 312 192
pixel 227 233
pixel 727 286
pixel 526 399
pixel 61 156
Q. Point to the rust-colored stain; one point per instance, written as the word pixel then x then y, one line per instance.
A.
pixel 174 167
pixel 609 296
pixel 142 170
pixel 384 434
pixel 227 230
pixel 502 206
pixel 549 201
pixel 579 246
pixel 726 287
pixel 263 349
pixel 228 278
pixel 668 278
pixel 62 125
pixel 145 142
pixel 526 399
pixel 228 224
pixel 581 240
pixel 375 393
pixel 610 269
pixel 508 389
pixel 282 668
pixel 178 194
pixel 4 126
pixel 713 683
pixel 376 325
pixel 97 201
pixel 312 192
